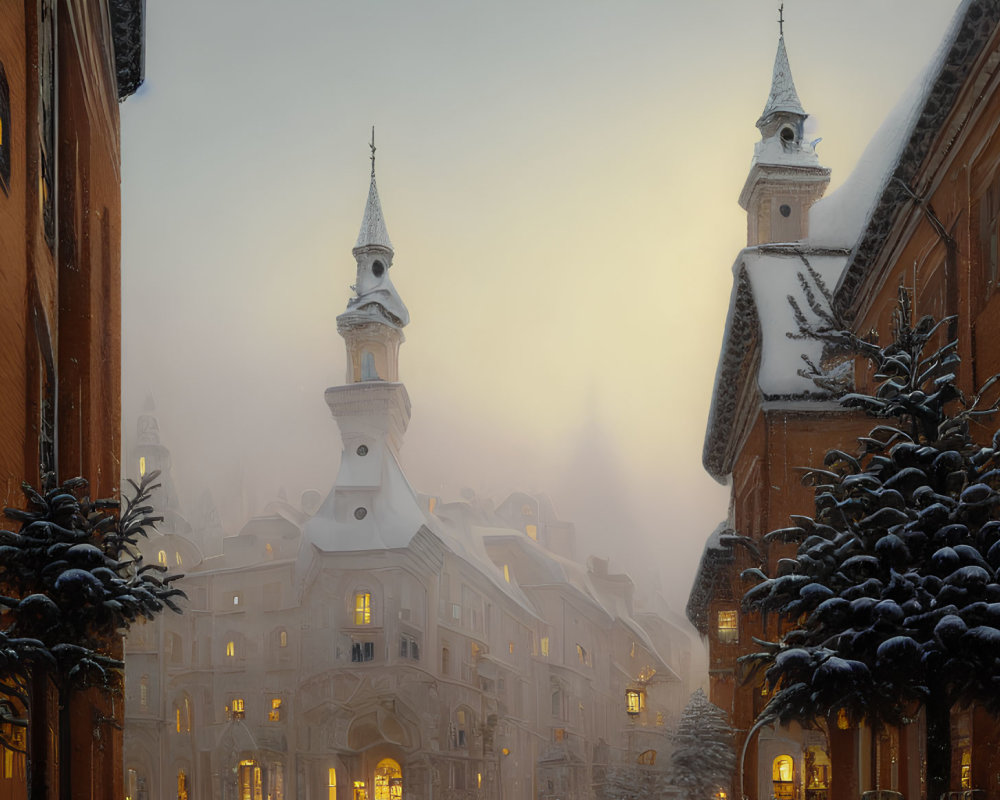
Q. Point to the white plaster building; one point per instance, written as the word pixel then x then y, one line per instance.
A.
pixel 383 644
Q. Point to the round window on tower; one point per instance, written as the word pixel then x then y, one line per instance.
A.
pixel 378 269
pixel 787 134
pixel 785 210
pixel 362 450
pixel 361 512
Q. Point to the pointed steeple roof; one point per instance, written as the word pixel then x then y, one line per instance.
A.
pixel 783 96
pixel 373 231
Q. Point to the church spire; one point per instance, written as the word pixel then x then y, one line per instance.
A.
pixel 785 176
pixel 783 97
pixel 373 232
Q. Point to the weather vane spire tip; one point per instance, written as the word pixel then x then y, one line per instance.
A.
pixel 781 23
pixel 372 145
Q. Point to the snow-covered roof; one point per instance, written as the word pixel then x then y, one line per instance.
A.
pixel 883 179
pixel 373 231
pixel 783 96
pixel 706 579
pixel 756 343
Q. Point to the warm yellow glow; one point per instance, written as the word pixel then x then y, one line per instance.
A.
pixel 177 712
pixel 727 627
pixel 966 776
pixel 532 531
pixel 506 751
pixel 432 504
pixel 362 608
pixel 182 792
pixel 161 557
pixel 238 709
pixel 360 792
pixel 230 648
pixel 283 639
pixel 142 466
pixel 506 573
pixel 274 715
pixel 843 723
pixel 388 780
pixel 545 646
pixel 633 701
pixel 782 769
pixel 331 784
pixel 479 780
pixel 178 559
pixel 510 648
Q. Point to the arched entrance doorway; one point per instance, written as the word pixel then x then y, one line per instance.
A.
pixel 249 780
pixel 388 780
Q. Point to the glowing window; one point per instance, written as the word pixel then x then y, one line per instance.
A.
pixel 966 776
pixel 727 627
pixel 532 531
pixel 582 654
pixel 274 715
pixel 239 710
pixel 362 608
pixel 510 648
pixel 161 557
pixel 545 646
pixel 177 713
pixel 249 781
pixel 283 638
pixel 647 757
pixel 506 573
pixel 142 466
pixel 782 769
pixel 634 701
pixel 360 792
pixel 182 791
pixel 236 598
pixel 178 559
pixel 230 649
pixel 331 784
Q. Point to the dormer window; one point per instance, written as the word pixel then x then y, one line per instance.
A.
pixel 787 134
pixel 378 269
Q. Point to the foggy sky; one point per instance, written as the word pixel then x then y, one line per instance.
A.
pixel 559 180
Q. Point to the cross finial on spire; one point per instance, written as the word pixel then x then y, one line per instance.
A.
pixel 372 145
pixel 781 32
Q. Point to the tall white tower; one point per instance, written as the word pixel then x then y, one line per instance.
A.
pixel 372 506
pixel 785 176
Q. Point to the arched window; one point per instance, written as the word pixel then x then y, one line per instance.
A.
pixel 230 649
pixel 783 773
pixel 187 714
pixel 161 557
pixel 274 715
pixel 142 466
pixel 178 559
pixel 362 608
pixel 634 701
pixel 282 638
pixel 331 784
pixel 461 723
pixel 388 780
pixel 239 709
pixel 182 791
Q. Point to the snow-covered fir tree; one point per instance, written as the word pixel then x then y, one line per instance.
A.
pixel 893 599
pixel 71 580
pixel 704 758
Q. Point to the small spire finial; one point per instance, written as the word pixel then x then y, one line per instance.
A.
pixel 372 145
pixel 781 32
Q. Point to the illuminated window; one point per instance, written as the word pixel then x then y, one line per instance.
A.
pixel 532 531
pixel 510 648
pixel 274 715
pixel 142 466
pixel 230 649
pixel 647 757
pixel 727 627
pixel 506 573
pixel 8 762
pixel 362 608
pixel 331 784
pixel 479 780
pixel 182 790
pixel 239 710
pixel 545 646
pixel 177 713
pixel 237 598
pixel 635 700
pixel 582 654
pixel 178 559
pixel 843 722
pixel 966 777
pixel 144 692
pixel 360 792
pixel 283 638
pixel 782 769
pixel 161 557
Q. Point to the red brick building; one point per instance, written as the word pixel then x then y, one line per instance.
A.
pixel 64 67
pixel 922 210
